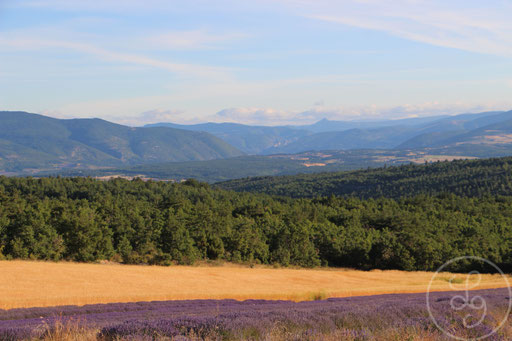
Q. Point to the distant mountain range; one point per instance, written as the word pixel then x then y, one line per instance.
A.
pixel 482 133
pixel 249 139
pixel 33 141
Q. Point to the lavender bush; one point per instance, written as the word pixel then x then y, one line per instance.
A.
pixel 382 317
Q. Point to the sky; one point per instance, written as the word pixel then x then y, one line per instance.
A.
pixel 254 61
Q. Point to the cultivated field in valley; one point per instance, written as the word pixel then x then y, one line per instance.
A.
pixel 38 284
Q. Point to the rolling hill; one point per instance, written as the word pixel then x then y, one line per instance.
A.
pixel 376 138
pixel 460 177
pixel 249 139
pixel 240 167
pixel 39 142
pixel 212 171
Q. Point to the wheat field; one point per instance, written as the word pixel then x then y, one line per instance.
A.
pixel 38 284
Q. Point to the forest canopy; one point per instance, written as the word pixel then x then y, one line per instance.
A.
pixel 137 222
pixel 461 177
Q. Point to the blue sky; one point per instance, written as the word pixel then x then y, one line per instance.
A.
pixel 257 62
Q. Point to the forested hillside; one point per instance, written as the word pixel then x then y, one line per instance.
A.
pixel 30 141
pixel 249 139
pixel 448 135
pixel 460 177
pixel 82 219
pixel 212 171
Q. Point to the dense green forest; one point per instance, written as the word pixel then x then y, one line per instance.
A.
pixel 138 222
pixel 460 177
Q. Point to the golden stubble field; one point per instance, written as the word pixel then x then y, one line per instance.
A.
pixel 37 284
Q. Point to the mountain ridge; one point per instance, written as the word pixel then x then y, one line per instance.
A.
pixel 344 135
pixel 36 141
pixel 39 143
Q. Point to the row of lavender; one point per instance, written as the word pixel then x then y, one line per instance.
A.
pixel 397 317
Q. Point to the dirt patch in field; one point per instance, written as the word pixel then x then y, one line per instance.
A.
pixel 317 164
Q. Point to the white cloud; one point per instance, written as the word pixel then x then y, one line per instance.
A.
pixel 466 25
pixel 155 116
pixel 269 116
pixel 470 25
pixel 274 117
pixel 183 69
pixel 265 116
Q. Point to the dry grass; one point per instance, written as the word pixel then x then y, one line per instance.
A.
pixel 30 284
pixel 69 331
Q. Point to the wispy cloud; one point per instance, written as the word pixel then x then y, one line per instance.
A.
pixel 470 25
pixel 104 5
pixel 182 69
pixel 190 40
pixel 147 6
pixel 465 25
pixel 295 58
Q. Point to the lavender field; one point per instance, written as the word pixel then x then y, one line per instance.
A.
pixel 383 317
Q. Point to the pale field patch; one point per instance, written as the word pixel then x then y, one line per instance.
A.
pixel 318 164
pixel 38 284
pixel 435 158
